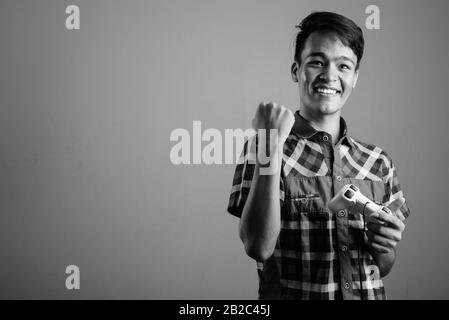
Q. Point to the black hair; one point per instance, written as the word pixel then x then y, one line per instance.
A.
pixel 348 32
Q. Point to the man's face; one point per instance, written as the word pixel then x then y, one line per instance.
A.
pixel 327 74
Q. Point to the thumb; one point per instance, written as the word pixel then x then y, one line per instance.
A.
pixel 396 204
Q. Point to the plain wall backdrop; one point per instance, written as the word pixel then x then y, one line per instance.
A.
pixel 86 116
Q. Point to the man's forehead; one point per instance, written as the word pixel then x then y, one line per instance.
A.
pixel 327 43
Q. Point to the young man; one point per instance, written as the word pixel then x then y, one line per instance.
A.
pixel 302 249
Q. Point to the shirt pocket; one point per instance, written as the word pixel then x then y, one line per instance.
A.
pixel 306 208
pixel 306 195
pixel 308 202
pixel 306 223
pixel 307 226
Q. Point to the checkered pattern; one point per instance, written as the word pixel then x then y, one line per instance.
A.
pixel 319 254
pixel 306 158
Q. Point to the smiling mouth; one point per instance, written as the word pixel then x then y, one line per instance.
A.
pixel 326 91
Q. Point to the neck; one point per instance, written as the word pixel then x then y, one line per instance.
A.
pixel 327 123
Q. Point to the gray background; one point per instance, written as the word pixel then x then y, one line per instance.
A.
pixel 85 175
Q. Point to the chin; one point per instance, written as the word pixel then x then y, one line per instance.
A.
pixel 327 109
pixel 321 106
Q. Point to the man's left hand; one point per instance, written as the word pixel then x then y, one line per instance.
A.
pixel 385 229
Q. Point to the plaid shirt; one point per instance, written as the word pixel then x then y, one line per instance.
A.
pixel 319 254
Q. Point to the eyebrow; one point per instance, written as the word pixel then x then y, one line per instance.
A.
pixel 322 55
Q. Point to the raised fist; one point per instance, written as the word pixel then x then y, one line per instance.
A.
pixel 274 116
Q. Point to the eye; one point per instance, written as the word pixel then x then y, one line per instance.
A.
pixel 316 63
pixel 345 66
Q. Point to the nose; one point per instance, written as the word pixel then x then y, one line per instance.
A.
pixel 329 73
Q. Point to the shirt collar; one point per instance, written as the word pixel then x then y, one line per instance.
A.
pixel 303 129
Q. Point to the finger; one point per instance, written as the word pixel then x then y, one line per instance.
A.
pixel 391 220
pixel 380 241
pixel 270 105
pixel 396 204
pixel 391 235
pixel 374 218
pixel 379 248
pixel 376 238
pixel 400 215
pixel 386 217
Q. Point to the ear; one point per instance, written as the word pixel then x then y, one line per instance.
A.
pixel 356 77
pixel 294 71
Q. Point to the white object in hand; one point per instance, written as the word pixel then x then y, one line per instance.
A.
pixel 350 196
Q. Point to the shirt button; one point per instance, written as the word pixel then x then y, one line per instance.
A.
pixel 341 213
pixel 338 178
pixel 344 248
pixel 347 285
pixel 325 138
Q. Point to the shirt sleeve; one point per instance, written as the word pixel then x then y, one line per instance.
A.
pixel 243 177
pixel 394 191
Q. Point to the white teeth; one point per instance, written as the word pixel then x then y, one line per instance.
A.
pixel 326 91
